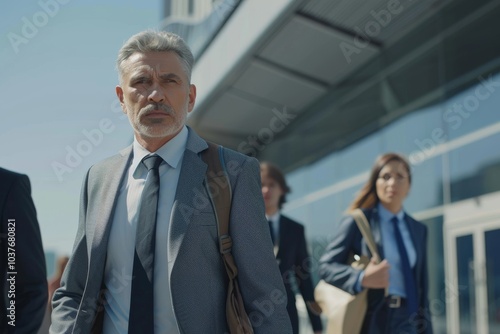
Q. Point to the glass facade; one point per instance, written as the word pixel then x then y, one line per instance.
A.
pixel 447 122
pixel 467 166
pixel 199 33
pixel 474 168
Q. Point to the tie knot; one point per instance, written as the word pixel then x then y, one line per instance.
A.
pixel 394 220
pixel 152 161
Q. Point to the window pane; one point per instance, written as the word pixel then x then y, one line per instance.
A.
pixel 474 168
pixel 426 186
pixel 297 182
pixel 359 157
pixel 436 276
pixel 322 173
pixel 492 246
pixel 466 297
pixel 473 108
pixel 416 134
pixel 326 215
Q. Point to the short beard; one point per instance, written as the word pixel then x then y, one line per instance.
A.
pixel 158 128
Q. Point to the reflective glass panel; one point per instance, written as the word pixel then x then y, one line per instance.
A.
pixel 467 296
pixel 492 249
pixel 474 168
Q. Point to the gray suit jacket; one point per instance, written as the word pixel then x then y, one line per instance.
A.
pixel 198 280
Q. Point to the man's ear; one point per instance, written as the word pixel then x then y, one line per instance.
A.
pixel 192 97
pixel 119 94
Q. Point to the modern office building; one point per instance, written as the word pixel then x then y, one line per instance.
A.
pixel 188 10
pixel 322 87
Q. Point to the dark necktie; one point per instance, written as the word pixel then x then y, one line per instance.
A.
pixel 271 229
pixel 409 279
pixel 141 317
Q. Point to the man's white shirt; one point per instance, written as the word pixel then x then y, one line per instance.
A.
pixel 121 244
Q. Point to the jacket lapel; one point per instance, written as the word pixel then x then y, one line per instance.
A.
pixel 190 196
pixel 281 239
pixel 416 239
pixel 413 234
pixel 377 234
pixel 111 175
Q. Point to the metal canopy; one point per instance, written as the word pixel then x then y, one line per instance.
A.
pixel 336 68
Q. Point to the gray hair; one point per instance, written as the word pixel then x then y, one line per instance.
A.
pixel 156 41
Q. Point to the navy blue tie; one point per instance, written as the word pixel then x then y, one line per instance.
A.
pixel 141 316
pixel 271 229
pixel 409 279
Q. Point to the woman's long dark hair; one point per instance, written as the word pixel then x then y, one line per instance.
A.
pixel 367 197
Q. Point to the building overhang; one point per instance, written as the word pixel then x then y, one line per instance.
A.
pixel 286 71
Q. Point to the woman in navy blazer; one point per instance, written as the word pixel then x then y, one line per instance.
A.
pixel 403 272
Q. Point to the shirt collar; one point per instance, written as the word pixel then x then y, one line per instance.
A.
pixel 274 218
pixel 171 152
pixel 386 215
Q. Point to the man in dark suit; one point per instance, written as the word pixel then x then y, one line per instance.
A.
pixel 290 247
pixel 23 274
pixel 175 282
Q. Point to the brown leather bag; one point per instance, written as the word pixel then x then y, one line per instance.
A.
pixel 219 189
pixel 346 312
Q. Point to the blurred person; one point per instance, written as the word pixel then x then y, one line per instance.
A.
pixel 23 271
pixel 55 281
pixel 54 284
pixel 290 247
pixel 402 243
pixel 146 256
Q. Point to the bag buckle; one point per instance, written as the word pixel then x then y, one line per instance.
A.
pixel 226 243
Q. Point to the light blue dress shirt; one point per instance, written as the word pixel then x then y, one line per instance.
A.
pixel 121 243
pixel 396 279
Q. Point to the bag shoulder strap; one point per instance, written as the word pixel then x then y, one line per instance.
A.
pixel 365 229
pixel 219 189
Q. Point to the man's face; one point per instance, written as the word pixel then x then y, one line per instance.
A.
pixel 271 191
pixel 155 94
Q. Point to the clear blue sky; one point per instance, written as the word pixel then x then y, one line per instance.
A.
pixel 57 81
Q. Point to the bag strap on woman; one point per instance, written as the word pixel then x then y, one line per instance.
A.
pixel 364 227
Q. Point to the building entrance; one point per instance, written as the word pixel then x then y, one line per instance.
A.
pixel 472 234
